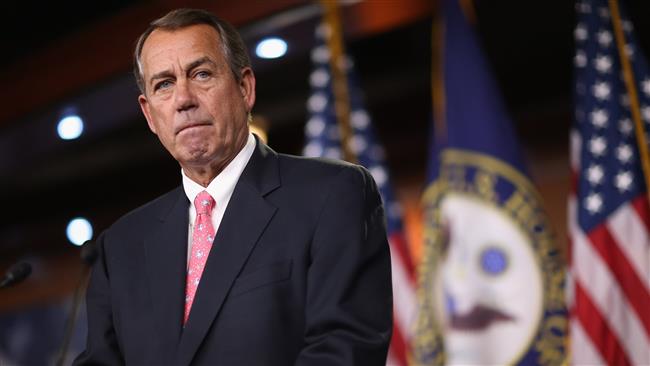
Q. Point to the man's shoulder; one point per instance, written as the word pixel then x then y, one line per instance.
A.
pixel 316 168
pixel 322 174
pixel 307 170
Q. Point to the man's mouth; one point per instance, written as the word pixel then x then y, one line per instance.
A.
pixel 190 126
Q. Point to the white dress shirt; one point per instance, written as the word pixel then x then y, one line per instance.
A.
pixel 221 189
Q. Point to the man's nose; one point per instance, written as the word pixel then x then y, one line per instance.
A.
pixel 184 97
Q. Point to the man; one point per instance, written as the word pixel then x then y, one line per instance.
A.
pixel 258 258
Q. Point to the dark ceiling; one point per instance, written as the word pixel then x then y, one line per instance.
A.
pixel 29 26
pixel 118 164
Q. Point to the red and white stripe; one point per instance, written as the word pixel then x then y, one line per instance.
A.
pixel 404 300
pixel 610 273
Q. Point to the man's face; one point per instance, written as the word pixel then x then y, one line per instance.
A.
pixel 192 101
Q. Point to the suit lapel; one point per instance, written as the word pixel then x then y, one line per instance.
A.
pixel 244 221
pixel 166 253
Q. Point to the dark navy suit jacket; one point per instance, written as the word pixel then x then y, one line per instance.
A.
pixel 299 273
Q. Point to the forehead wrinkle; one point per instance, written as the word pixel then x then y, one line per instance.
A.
pixel 161 75
pixel 200 61
pixel 151 59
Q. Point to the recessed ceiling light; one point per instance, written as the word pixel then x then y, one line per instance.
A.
pixel 70 127
pixel 270 48
pixel 79 230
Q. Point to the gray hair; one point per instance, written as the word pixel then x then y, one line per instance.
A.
pixel 232 45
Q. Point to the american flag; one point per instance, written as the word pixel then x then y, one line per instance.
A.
pixel 609 216
pixel 323 140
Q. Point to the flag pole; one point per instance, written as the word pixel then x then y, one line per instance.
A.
pixel 437 68
pixel 469 10
pixel 628 76
pixel 437 79
pixel 337 61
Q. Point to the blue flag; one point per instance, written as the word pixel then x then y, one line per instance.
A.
pixel 323 140
pixel 491 278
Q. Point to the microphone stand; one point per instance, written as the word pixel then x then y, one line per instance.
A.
pixel 88 256
pixel 16 274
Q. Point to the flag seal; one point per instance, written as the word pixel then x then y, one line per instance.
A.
pixel 490 279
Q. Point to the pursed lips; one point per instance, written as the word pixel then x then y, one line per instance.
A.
pixel 191 125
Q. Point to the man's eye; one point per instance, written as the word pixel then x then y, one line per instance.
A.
pixel 163 85
pixel 202 75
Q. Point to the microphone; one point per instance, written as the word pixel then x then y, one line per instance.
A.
pixel 88 255
pixel 89 252
pixel 16 274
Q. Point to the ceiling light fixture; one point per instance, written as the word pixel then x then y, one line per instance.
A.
pixel 70 127
pixel 79 230
pixel 270 48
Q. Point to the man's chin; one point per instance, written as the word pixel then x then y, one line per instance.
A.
pixel 195 160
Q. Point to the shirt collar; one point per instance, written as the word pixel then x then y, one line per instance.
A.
pixel 222 186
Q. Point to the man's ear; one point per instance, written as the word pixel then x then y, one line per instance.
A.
pixel 247 87
pixel 144 106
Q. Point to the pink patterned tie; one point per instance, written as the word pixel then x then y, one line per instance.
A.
pixel 202 237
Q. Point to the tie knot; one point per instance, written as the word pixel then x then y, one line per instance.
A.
pixel 204 203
